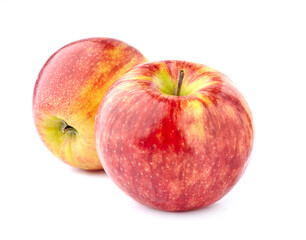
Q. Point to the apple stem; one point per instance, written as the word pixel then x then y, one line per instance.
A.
pixel 66 128
pixel 180 82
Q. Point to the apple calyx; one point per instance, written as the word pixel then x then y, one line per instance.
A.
pixel 65 128
pixel 179 82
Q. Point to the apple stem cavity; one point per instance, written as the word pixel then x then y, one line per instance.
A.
pixel 180 82
pixel 67 129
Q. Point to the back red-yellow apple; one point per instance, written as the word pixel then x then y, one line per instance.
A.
pixel 68 91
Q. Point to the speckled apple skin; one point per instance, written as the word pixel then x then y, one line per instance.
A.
pixel 70 87
pixel 174 153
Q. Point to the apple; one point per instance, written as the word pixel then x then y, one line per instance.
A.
pixel 174 135
pixel 68 91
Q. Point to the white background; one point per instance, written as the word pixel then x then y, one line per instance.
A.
pixel 260 45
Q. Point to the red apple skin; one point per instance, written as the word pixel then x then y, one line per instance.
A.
pixel 70 87
pixel 174 153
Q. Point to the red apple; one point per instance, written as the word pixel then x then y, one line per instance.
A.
pixel 174 135
pixel 68 91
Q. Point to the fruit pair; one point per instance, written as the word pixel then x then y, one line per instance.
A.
pixel 174 135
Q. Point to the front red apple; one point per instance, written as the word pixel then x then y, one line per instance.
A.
pixel 171 146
